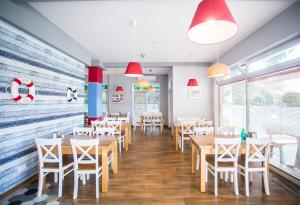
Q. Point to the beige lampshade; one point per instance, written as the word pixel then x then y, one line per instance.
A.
pixel 143 84
pixel 150 90
pixel 218 70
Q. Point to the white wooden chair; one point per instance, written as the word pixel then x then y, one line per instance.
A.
pixel 202 131
pixel 226 131
pixel 107 119
pixel 157 121
pixel 124 119
pixel 96 124
pixel 257 161
pixel 147 122
pixel 116 126
pixel 52 162
pixel 86 161
pixel 187 129
pixel 115 115
pixel 225 160
pixel 82 131
pixel 104 131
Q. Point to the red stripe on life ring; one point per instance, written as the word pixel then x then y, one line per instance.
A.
pixel 30 96
pixel 18 98
pixel 17 81
pixel 30 84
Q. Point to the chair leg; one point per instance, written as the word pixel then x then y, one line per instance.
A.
pixel 236 186
pixel 97 186
pixel 182 144
pixel 216 183
pixel 247 183
pixel 197 161
pixel 266 183
pixel 60 183
pixel 55 177
pixel 120 147
pixel 75 186
pixel 87 176
pixel 83 179
pixel 41 182
pixel 221 175
pixel 206 172
pixel 226 176
pixel 231 177
pixel 251 176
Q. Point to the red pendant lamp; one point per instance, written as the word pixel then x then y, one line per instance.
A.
pixel 119 89
pixel 134 70
pixel 212 23
pixel 192 83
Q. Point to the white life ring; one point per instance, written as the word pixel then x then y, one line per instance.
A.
pixel 15 85
pixel 71 95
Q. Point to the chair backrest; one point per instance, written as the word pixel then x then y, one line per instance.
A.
pixel 124 119
pixel 228 131
pixel 85 152
pixel 116 126
pixel 147 118
pixel 206 123
pixel 82 131
pixel 49 151
pixel 187 127
pixel 104 131
pixel 204 130
pixel 227 149
pixel 106 119
pixel 257 150
pixel 115 115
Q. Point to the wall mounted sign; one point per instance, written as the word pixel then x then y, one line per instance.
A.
pixel 71 95
pixel 117 98
pixel 15 85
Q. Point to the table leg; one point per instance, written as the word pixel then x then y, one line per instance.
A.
pixel 176 138
pixel 282 159
pixel 126 139
pixel 202 169
pixel 115 157
pixel 129 132
pixel 194 150
pixel 262 178
pixel 104 171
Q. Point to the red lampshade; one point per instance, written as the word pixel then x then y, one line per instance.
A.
pixel 192 83
pixel 119 89
pixel 134 70
pixel 212 23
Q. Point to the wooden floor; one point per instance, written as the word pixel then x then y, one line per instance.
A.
pixel 151 172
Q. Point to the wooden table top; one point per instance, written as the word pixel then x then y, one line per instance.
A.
pixel 207 141
pixel 104 141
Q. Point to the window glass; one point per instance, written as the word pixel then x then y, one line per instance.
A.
pixel 233 105
pixel 274 109
pixel 282 56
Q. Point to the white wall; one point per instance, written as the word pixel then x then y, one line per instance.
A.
pixel 187 107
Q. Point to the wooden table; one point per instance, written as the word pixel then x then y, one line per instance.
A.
pixel 205 145
pixel 124 127
pixel 176 128
pixel 106 144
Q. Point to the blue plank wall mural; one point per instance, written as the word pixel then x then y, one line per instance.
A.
pixel 52 72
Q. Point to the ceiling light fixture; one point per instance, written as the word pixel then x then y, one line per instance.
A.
pixel 133 68
pixel 212 23
pixel 192 83
pixel 218 69
pixel 143 83
pixel 119 89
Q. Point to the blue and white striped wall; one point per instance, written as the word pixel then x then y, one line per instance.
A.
pixel 52 72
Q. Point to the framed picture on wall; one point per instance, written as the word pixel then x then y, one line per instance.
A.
pixel 117 98
pixel 194 92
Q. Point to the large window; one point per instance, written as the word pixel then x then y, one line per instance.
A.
pixel 274 109
pixel 233 105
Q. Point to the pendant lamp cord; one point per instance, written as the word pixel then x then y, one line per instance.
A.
pixel 217 54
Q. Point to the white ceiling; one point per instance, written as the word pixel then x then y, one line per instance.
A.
pixel 103 27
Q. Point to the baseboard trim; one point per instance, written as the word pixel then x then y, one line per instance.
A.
pixel 19 186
